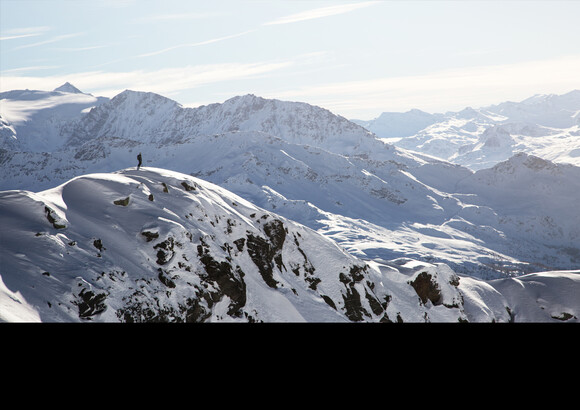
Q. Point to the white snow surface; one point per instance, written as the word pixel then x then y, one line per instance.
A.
pixel 32 119
pixel 546 126
pixel 73 244
pixel 509 213
pixel 47 263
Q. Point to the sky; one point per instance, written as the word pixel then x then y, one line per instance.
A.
pixel 355 58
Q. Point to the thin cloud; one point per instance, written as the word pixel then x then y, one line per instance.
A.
pixel 320 13
pixel 201 43
pixel 88 48
pixel 24 32
pixel 49 40
pixel 163 81
pixel 173 17
pixel 454 88
pixel 30 68
pixel 18 36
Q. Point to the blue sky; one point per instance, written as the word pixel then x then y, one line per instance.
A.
pixel 356 58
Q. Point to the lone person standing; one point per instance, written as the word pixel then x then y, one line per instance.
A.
pixel 140 161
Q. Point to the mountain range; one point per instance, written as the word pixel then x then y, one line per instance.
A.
pixel 333 219
pixel 547 126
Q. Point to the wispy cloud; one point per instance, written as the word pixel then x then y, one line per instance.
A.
pixel 49 40
pixel 200 43
pixel 320 13
pixel 75 49
pixel 17 36
pixel 24 32
pixel 454 88
pixel 163 81
pixel 173 17
pixel 29 68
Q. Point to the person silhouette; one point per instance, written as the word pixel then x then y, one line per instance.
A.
pixel 140 159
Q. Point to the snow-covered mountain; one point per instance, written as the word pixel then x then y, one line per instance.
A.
pixel 156 245
pixel 547 126
pixel 31 120
pixel 399 124
pixel 378 201
pixel 391 208
pixel 154 119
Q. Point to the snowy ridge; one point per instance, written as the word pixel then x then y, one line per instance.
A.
pixel 546 126
pixel 35 118
pixel 381 203
pixel 535 193
pixel 156 245
pixel 398 212
pixel 152 118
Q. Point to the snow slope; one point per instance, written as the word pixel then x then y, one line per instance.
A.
pixel 157 245
pixel 31 120
pixel 302 162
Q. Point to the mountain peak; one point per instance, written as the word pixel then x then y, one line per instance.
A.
pixel 246 99
pixel 143 99
pixel 522 161
pixel 68 88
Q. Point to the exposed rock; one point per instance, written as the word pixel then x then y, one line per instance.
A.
pixel 426 288
pixel 53 218
pixel 122 202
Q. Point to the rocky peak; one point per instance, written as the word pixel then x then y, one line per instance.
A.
pixel 68 88
pixel 496 137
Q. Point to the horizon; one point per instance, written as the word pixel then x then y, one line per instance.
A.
pixel 68 83
pixel 356 59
